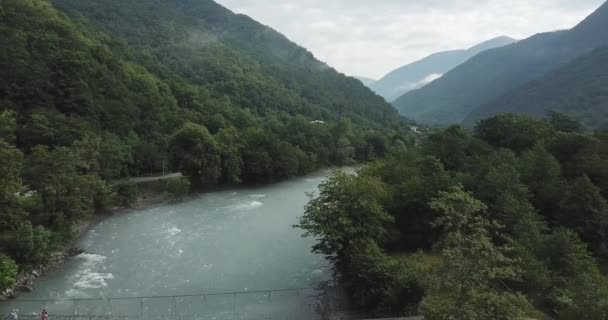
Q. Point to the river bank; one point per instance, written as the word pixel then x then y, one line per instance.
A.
pixel 152 199
pixel 235 240
pixel 26 279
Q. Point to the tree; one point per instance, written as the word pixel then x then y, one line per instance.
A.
pixel 585 210
pixel 454 146
pixel 232 161
pixel 13 219
pixel 8 125
pixel 8 271
pixel 512 131
pixel 542 173
pixel 578 288
pixel 196 154
pixel 382 284
pixel 564 123
pixel 347 208
pixel 470 282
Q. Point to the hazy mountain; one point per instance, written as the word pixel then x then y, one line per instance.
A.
pixel 420 73
pixel 579 89
pixel 365 80
pixel 495 72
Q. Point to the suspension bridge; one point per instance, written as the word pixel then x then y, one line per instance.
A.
pixel 292 304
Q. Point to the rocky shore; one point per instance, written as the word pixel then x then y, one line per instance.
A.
pixel 25 280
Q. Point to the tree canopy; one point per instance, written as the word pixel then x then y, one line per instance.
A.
pixel 507 221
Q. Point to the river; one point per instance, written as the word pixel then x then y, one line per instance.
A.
pixel 238 240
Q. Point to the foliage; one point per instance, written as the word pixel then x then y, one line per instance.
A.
pixel 196 153
pixel 127 194
pixel 99 91
pixel 348 207
pixel 8 271
pixel 178 188
pixel 517 212
pixel 470 283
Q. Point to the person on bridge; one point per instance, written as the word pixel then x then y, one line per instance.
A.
pixel 44 315
pixel 13 315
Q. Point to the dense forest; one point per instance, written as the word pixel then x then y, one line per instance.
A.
pixel 508 221
pixel 82 105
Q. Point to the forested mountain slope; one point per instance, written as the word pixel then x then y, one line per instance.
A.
pixel 579 89
pixel 495 72
pixel 420 73
pixel 185 84
pixel 203 41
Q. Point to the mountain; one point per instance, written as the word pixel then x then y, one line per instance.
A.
pixel 422 72
pixel 129 75
pixel 495 72
pixel 97 91
pixel 579 89
pixel 194 37
pixel 365 80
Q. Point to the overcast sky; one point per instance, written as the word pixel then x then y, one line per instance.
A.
pixel 373 37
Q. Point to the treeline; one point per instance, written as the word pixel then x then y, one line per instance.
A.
pixel 80 108
pixel 509 221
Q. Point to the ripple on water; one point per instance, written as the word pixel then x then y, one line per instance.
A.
pixel 87 277
pixel 244 206
pixel 174 231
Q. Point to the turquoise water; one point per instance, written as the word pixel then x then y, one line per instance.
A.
pixel 230 241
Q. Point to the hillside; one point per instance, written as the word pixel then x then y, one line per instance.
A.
pixel 150 86
pixel 495 72
pixel 191 28
pixel 579 89
pixel 420 73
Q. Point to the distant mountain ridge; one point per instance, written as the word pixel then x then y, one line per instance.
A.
pixel 496 72
pixel 365 80
pixel 420 73
pixel 578 89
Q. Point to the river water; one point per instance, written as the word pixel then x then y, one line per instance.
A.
pixel 239 240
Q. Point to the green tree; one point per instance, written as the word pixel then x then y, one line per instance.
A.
pixel 382 284
pixel 178 188
pixel 564 123
pixel 196 154
pixel 232 162
pixel 542 174
pixel 13 219
pixel 579 288
pixel 8 271
pixel 8 125
pixel 585 210
pixel 347 208
pixel 470 282
pixel 512 131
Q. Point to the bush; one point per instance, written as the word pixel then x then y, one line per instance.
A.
pixel 44 244
pixel 178 188
pixel 127 194
pixel 8 271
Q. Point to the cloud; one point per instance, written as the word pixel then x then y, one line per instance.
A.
pixel 373 37
pixel 417 85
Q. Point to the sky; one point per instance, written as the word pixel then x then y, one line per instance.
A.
pixel 372 37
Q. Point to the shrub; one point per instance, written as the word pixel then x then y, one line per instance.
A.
pixel 8 271
pixel 178 188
